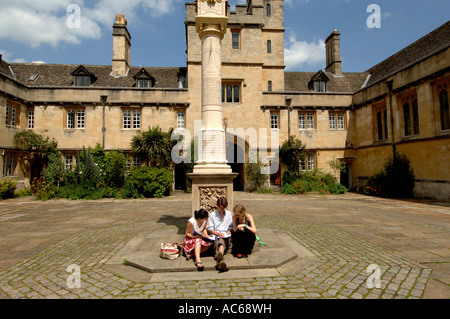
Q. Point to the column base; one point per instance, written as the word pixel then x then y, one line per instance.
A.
pixel 208 187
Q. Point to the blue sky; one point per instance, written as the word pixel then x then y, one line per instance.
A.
pixel 36 30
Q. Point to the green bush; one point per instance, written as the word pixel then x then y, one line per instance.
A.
pixel 258 181
pixel 42 190
pixel 7 188
pixel 312 181
pixel 75 192
pixel 53 173
pixel 292 152
pixel 148 182
pixel 115 169
pixel 22 193
pixel 396 180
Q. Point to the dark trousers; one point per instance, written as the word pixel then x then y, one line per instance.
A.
pixel 243 242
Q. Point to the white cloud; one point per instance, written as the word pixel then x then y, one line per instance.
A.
pixel 36 22
pixel 300 53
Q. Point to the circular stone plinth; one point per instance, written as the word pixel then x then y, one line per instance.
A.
pixel 282 255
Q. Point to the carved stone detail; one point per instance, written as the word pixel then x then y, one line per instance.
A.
pixel 209 197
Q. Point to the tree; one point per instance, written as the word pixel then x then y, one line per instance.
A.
pixel 154 147
pixel 292 152
pixel 36 150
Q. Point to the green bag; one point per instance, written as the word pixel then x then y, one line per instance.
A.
pixel 260 242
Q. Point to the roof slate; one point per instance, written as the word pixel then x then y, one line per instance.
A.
pixel 348 83
pixel 60 75
pixel 430 44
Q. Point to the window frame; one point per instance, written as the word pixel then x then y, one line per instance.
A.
pixel 229 87
pixel 8 165
pixel 269 47
pixel 335 119
pixel 68 163
pixel 320 86
pixel 274 121
pixel 30 119
pixel 181 120
pixel 311 163
pixel 444 108
pixel 309 121
pixel 131 119
pixel 82 80
pixel 235 45
pixel 268 10
pixel 409 106
pixel 77 115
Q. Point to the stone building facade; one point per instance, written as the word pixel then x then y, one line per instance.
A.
pixel 358 118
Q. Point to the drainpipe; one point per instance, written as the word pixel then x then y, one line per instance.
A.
pixel 104 98
pixel 288 104
pixel 390 85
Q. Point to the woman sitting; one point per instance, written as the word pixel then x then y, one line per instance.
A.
pixel 195 239
pixel 244 234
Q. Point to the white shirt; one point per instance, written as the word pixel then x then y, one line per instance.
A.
pixel 195 228
pixel 218 224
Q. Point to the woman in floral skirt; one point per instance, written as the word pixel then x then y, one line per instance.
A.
pixel 196 237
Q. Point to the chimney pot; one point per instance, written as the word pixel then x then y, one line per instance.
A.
pixel 333 52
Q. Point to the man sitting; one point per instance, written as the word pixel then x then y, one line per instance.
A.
pixel 220 225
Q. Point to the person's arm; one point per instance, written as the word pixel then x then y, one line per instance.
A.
pixel 205 233
pixel 188 232
pixel 235 225
pixel 211 229
pixel 252 226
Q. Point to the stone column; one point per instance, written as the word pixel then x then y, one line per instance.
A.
pixel 212 176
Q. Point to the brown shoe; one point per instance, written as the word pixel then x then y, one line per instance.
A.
pixel 222 267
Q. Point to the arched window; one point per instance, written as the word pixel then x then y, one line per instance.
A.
pixel 268 10
pixel 380 125
pixel 269 46
pixel 444 109
pixel 410 113
pixel 269 86
pixel 407 119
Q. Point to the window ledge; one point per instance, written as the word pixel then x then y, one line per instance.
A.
pixel 443 132
pixel 381 142
pixel 410 137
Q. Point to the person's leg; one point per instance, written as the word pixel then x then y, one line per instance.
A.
pixel 249 242
pixel 219 246
pixel 237 243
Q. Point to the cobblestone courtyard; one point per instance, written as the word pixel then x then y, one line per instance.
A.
pixel 408 240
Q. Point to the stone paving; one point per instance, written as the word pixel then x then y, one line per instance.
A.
pixel 406 242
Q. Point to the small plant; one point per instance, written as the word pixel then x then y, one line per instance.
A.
pixel 41 190
pixel 258 181
pixel 7 188
pixel 22 193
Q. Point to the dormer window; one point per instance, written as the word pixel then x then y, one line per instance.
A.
pixel 83 77
pixel 320 86
pixel 144 79
pixel 318 82
pixel 82 80
pixel 143 83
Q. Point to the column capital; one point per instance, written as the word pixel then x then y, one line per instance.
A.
pixel 211 28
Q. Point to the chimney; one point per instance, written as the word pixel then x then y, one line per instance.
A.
pixel 121 47
pixel 333 51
